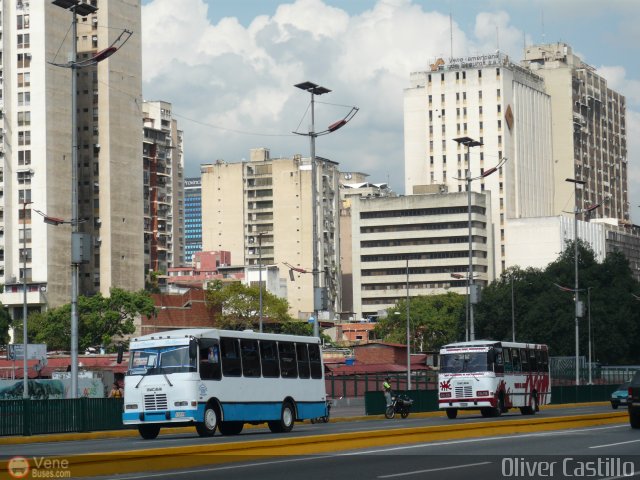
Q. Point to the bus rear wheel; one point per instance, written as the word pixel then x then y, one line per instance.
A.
pixel 452 413
pixel 230 428
pixel 149 432
pixel 287 417
pixel 207 428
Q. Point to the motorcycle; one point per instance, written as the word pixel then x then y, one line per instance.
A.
pixel 399 404
pixel 324 418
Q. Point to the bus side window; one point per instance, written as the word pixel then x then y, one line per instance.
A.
pixel 515 358
pixel 498 365
pixel 231 366
pixel 533 363
pixel 544 360
pixel 524 359
pixel 508 366
pixel 288 367
pixel 314 358
pixel 250 358
pixel 209 360
pixel 303 360
pixel 269 359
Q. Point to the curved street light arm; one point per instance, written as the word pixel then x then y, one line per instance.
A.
pixel 334 126
pixel 116 45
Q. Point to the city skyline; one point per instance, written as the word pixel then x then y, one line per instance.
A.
pixel 229 68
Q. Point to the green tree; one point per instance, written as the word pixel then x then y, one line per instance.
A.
pixel 434 320
pixel 99 320
pixel 5 321
pixel 240 305
pixel 545 313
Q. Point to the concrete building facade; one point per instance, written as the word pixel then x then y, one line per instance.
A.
pixel 261 211
pixel 431 233
pixel 163 189
pixel 37 151
pixel 589 132
pixel 491 100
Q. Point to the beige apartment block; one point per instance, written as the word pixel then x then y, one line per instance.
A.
pixel 417 245
pixel 492 100
pixel 589 132
pixel 261 211
pixel 37 151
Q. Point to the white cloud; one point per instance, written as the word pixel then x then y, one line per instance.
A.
pixel 617 79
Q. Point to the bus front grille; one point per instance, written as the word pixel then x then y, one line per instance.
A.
pixel 155 402
pixel 464 391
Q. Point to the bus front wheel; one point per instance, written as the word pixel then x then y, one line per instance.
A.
pixel 207 428
pixel 452 413
pixel 287 417
pixel 149 432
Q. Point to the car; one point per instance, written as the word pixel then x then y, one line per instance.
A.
pixel 619 396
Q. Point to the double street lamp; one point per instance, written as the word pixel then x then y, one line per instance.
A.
pixel 472 290
pixel 314 89
pixel 576 289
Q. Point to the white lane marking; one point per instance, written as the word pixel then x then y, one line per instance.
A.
pixel 394 475
pixel 614 444
pixel 633 474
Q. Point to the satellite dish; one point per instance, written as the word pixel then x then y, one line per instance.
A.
pixel 347 176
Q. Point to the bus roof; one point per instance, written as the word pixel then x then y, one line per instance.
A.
pixel 489 343
pixel 216 333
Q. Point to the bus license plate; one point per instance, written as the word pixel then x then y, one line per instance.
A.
pixel 463 404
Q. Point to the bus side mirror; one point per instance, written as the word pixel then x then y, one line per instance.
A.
pixel 120 352
pixel 193 349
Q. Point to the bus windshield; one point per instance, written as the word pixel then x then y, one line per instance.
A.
pixel 161 360
pixel 464 362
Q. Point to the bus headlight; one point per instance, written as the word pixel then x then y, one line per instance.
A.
pixel 131 406
pixel 181 404
pixel 482 393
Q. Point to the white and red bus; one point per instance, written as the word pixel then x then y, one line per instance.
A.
pixel 492 377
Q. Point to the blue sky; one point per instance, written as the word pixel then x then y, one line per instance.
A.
pixel 228 67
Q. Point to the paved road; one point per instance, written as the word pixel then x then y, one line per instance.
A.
pixel 133 443
pixel 603 452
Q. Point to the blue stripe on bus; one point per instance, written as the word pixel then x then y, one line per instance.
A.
pixel 236 411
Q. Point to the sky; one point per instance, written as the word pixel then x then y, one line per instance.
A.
pixel 228 68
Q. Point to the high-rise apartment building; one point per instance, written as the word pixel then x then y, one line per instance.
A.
pixel 36 149
pixel 493 101
pixel 163 189
pixel 192 218
pixel 261 211
pixel 589 132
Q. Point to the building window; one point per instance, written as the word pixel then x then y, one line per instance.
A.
pixel 457 75
pixel 442 97
pixel 480 109
pixel 24 99
pixel 499 108
pixel 499 124
pixel 24 196
pixel 24 60
pixel 444 159
pixel 24 118
pixel 23 40
pixel 479 73
pixel 497 72
pixel 442 77
pixel 430 99
pixel 24 157
pixel 24 79
pixel 457 96
pixel 23 21
pixel 464 75
pixel 431 160
pixel 464 95
pixel 24 138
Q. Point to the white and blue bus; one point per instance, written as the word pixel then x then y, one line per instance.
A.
pixel 220 379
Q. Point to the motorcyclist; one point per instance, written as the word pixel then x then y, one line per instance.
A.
pixel 386 387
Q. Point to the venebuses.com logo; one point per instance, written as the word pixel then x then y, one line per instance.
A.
pixel 39 467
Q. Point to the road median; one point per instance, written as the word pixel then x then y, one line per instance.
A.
pixel 168 458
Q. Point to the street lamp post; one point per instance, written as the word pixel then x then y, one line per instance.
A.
pixel 408 334
pixel 314 90
pixel 578 312
pixel 589 326
pixel 260 273
pixel 466 310
pixel 468 143
pixel 25 368
pixel 513 313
